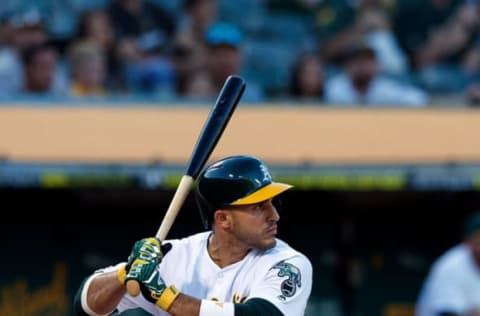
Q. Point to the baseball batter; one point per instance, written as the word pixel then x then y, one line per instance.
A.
pixel 238 267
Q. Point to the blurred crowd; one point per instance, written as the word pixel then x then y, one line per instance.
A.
pixel 335 52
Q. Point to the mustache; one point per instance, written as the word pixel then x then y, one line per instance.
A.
pixel 271 226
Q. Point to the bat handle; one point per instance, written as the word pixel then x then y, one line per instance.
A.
pixel 175 205
pixel 183 189
pixel 133 287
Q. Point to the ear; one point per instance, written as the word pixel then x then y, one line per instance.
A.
pixel 222 219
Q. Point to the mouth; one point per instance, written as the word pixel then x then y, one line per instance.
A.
pixel 272 230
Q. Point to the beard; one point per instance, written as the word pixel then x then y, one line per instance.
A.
pixel 256 240
pixel 361 82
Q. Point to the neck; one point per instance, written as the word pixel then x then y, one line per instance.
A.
pixel 226 250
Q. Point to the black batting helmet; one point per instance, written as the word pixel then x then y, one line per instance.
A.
pixel 236 180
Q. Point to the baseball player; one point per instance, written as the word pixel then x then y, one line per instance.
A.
pixel 238 267
pixel 452 287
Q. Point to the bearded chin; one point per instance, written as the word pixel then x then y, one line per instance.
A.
pixel 266 246
pixel 362 82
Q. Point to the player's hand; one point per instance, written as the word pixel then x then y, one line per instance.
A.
pixel 146 254
pixel 155 290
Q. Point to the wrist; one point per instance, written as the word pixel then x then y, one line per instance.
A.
pixel 214 308
pixel 122 274
pixel 167 297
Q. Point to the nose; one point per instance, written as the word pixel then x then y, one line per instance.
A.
pixel 272 212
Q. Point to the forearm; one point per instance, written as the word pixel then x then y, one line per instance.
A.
pixel 104 293
pixel 185 305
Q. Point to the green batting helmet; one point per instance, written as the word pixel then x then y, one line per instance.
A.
pixel 236 180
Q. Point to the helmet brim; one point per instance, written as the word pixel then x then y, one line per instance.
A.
pixel 267 192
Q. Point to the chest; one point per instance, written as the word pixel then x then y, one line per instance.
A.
pixel 201 278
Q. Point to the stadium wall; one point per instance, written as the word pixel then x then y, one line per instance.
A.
pixel 282 133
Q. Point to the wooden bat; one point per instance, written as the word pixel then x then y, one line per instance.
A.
pixel 213 128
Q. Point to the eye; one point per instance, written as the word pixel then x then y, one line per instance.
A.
pixel 262 206
pixel 258 207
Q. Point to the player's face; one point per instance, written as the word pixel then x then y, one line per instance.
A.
pixel 255 224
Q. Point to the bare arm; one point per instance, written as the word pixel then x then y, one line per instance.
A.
pixel 104 293
pixel 185 305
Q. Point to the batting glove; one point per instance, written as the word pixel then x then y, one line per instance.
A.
pixel 156 291
pixel 146 254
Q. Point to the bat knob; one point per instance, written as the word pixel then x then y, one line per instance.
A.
pixel 133 287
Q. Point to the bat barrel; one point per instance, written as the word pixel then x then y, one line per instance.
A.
pixel 225 104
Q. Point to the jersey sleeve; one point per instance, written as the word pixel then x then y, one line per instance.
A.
pixel 287 285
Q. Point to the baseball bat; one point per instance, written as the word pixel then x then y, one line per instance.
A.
pixel 212 130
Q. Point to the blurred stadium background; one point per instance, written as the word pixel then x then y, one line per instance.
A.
pixel 367 106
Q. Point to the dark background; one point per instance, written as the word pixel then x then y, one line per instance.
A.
pixel 391 236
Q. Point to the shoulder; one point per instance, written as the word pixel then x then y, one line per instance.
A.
pixel 284 278
pixel 190 241
pixel 397 92
pixel 451 261
pixel 338 90
pixel 282 252
pixel 384 82
pixel 338 81
pixel 184 252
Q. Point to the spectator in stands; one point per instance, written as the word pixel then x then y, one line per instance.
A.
pixel 25 29
pixel 144 34
pixel 95 26
pixel 414 22
pixel 436 34
pixel 307 78
pixel 40 64
pixel 190 48
pixel 453 283
pixel 472 94
pixel 28 30
pixel 142 20
pixel 224 58
pixel 361 83
pixel 7 58
pixel 343 23
pixel 470 15
pixel 88 69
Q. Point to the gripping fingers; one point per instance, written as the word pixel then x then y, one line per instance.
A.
pixel 144 259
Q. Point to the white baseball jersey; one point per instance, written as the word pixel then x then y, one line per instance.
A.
pixel 452 285
pixel 280 275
